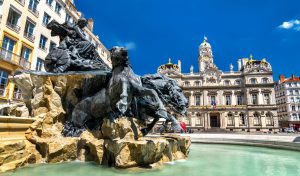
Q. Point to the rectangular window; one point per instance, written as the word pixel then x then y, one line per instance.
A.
pixel 29 29
pixel 254 99
pixel 293 108
pixel 230 120
pixel 25 53
pixel 213 100
pixel 68 18
pixel 197 99
pixel 49 2
pixel 3 82
pixel 33 5
pixel 43 42
pixel 17 93
pixel 239 100
pixel 7 48
pixel 57 8
pixel 8 44
pixel 228 99
pixel 267 99
pixel 199 121
pixel 46 19
pixel 39 64
pixel 13 20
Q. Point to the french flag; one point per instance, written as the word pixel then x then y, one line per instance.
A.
pixel 214 104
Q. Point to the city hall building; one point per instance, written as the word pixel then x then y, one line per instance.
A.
pixel 242 100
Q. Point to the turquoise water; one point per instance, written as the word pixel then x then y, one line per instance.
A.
pixel 204 160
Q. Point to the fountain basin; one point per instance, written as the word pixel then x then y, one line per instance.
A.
pixel 204 159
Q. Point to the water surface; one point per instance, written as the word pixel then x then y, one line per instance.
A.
pixel 204 160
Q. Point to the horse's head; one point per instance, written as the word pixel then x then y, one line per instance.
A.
pixel 177 97
pixel 119 56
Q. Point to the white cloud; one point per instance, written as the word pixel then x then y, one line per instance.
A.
pixel 292 24
pixel 129 45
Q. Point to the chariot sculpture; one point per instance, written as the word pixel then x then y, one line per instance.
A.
pixel 147 98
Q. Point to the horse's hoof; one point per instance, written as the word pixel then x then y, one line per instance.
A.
pixel 144 131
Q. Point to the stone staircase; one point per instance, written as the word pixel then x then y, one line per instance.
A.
pixel 215 130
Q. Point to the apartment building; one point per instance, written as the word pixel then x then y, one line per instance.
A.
pixel 25 40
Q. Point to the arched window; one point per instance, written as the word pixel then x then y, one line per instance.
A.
pixel 269 119
pixel 253 81
pixel 256 119
pixel 230 120
pixel 187 83
pixel 242 119
pixel 264 80
pixel 226 82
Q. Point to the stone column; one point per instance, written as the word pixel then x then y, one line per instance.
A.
pixel 208 120
pixel 192 98
pixel 223 120
pixel 220 97
pixel 233 99
pixel 205 98
pixel 260 98
pixel 263 120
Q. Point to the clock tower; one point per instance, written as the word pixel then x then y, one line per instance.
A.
pixel 205 58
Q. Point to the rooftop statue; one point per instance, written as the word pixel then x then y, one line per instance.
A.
pixel 75 52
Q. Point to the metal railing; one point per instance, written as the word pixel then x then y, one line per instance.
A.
pixel 33 10
pixel 29 36
pixel 14 58
pixel 12 26
pixel 22 2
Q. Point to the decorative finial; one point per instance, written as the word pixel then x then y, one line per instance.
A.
pixel 170 61
pixel 251 57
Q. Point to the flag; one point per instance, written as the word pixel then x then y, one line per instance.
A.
pixel 205 38
pixel 214 104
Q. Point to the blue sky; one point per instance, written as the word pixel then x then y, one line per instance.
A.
pixel 155 30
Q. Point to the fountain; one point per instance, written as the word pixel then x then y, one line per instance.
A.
pixel 85 111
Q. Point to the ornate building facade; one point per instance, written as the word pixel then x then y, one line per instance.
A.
pixel 288 101
pixel 242 100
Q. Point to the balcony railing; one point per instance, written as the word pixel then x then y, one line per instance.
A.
pixel 14 58
pixel 22 2
pixel 50 5
pixel 12 26
pixel 29 36
pixel 33 10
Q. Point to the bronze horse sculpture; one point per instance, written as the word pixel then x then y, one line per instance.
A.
pixel 146 98
pixel 129 94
